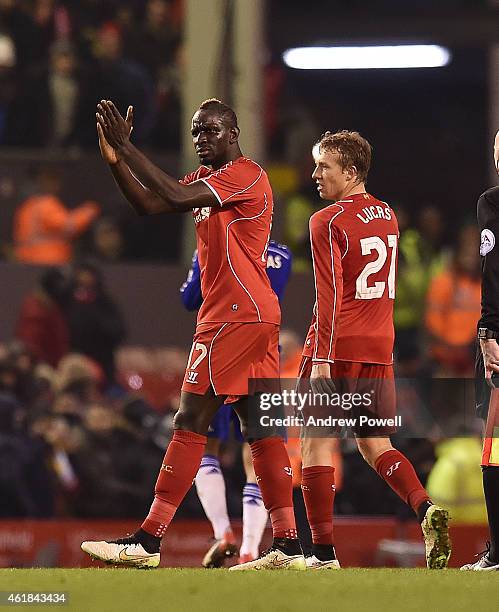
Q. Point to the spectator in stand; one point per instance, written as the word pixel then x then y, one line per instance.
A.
pixel 420 258
pixel 44 228
pixel 453 308
pixel 23 360
pixel 169 103
pixel 114 466
pixel 108 241
pixel 153 42
pixel 25 380
pixel 123 80
pixel 96 325
pixel 9 381
pixel 24 31
pixel 53 102
pixel 41 324
pixel 78 382
pixel 25 482
pixel 52 22
pixel 62 436
pixel 456 481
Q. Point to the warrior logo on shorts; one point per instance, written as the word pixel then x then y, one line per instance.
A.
pixel 487 242
pixel 191 377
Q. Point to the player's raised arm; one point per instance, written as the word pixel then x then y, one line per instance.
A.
pixel 142 199
pixel 173 196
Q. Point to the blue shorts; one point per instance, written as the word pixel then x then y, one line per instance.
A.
pixel 220 426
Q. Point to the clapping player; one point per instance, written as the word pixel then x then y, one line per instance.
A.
pixel 210 482
pixel 237 329
pixel 350 342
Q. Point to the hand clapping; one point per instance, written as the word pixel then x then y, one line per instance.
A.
pixel 116 130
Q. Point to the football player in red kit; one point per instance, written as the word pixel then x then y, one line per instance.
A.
pixel 231 202
pixel 349 345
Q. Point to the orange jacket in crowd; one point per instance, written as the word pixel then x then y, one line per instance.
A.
pixel 453 309
pixel 44 229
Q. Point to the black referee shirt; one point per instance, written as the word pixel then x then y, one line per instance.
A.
pixel 488 223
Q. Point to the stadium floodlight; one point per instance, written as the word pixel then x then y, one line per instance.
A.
pixel 369 57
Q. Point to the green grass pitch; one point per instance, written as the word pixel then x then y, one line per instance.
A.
pixel 194 590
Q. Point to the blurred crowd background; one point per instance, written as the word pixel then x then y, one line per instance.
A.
pixel 85 415
pixel 56 57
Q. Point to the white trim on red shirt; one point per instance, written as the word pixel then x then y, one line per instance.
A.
pixel 314 357
pixel 228 254
pixel 346 250
pixel 212 189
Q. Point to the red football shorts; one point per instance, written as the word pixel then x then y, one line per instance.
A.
pixel 374 386
pixel 225 356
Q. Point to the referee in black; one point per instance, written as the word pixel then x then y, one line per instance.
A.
pixel 487 364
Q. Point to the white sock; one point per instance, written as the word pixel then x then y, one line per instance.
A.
pixel 255 518
pixel 210 486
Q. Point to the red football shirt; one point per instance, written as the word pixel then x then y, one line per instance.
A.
pixel 232 241
pixel 354 251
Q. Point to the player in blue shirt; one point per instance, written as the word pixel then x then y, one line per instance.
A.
pixel 210 483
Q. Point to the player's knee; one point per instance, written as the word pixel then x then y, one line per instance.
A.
pixel 305 448
pixel 186 420
pixel 372 448
pixel 366 452
pixel 316 451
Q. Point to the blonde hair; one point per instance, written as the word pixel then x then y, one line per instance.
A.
pixel 352 148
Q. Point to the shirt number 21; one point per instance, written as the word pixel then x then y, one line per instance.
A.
pixel 364 291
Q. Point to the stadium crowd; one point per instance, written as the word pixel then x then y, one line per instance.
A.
pixel 58 56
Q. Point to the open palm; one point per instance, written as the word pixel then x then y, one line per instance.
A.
pixel 108 153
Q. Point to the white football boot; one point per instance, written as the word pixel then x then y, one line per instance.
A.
pixel 484 564
pixel 122 552
pixel 273 559
pixel 314 563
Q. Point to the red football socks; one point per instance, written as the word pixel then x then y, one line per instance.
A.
pixel 179 468
pixel 317 485
pixel 274 476
pixel 398 472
